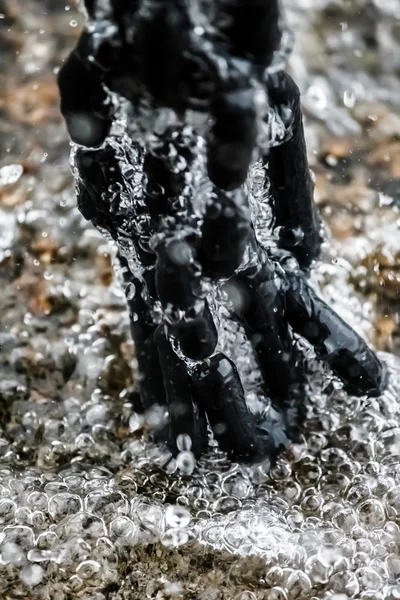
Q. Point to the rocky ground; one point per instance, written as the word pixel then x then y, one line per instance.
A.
pixel 85 509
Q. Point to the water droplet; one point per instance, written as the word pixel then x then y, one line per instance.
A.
pixel 183 442
pixel 136 422
pixel 186 462
pixel 10 174
pixel 130 291
pixel 349 99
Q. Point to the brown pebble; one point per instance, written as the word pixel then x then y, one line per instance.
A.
pixel 33 103
pixel 342 226
pixel 104 268
pixel 386 155
pixel 385 327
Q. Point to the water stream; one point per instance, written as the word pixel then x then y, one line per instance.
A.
pixel 87 507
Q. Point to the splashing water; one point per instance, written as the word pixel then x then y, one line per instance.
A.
pixel 88 507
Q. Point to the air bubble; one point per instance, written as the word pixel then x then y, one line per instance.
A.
pixel 88 569
pixel 247 595
pixel 7 509
pixel 82 484
pixel 64 504
pixel 317 570
pixel 173 538
pixel 372 514
pixel 177 516
pixel 277 593
pixel 106 503
pixel 11 553
pixel 47 540
pixel 97 415
pixel 369 579
pixel 123 531
pixel 344 582
pixel 130 291
pixel 31 575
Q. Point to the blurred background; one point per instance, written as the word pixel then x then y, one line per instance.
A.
pixel 347 64
pixel 67 364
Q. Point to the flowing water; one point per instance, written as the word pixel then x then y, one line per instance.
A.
pixel 88 508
